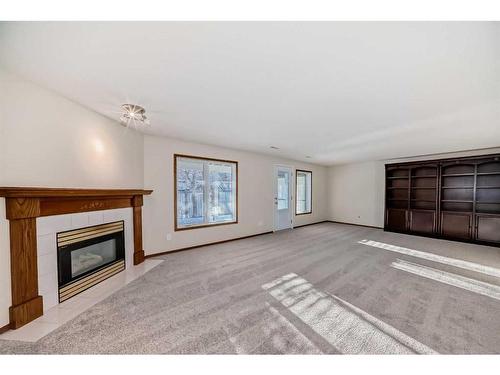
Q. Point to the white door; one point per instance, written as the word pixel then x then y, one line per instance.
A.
pixel 283 200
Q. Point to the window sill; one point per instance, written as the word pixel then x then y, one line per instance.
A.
pixel 178 229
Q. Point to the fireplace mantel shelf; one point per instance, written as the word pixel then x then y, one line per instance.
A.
pixel 39 192
pixel 32 202
pixel 24 204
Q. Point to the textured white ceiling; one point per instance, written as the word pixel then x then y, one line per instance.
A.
pixel 336 91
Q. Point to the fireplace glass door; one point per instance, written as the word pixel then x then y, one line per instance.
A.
pixel 85 251
pixel 90 257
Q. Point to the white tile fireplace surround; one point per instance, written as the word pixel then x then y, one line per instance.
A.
pixel 46 229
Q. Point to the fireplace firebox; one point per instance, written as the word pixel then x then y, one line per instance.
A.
pixel 88 256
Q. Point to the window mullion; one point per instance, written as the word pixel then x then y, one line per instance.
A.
pixel 206 191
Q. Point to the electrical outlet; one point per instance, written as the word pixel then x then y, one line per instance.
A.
pixel 169 237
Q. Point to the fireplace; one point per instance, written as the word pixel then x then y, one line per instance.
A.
pixel 26 207
pixel 88 256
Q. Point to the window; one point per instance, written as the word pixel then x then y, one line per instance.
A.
pixel 282 190
pixel 303 194
pixel 205 192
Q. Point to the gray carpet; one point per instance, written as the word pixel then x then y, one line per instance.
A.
pixel 212 300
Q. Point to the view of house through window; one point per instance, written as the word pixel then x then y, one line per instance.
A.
pixel 303 194
pixel 205 191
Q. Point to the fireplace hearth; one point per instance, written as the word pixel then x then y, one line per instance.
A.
pixel 88 256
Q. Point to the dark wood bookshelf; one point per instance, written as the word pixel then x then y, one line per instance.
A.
pixel 455 198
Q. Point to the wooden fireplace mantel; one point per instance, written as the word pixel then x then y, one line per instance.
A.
pixel 24 205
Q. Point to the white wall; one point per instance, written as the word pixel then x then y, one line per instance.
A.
pixel 47 140
pixel 356 191
pixel 256 194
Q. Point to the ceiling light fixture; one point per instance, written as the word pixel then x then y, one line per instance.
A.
pixel 133 115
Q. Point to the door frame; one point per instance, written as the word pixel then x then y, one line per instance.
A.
pixel 291 187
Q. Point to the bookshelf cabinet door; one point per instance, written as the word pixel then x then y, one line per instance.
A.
pixel 456 225
pixel 423 221
pixel 488 228
pixel 396 219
